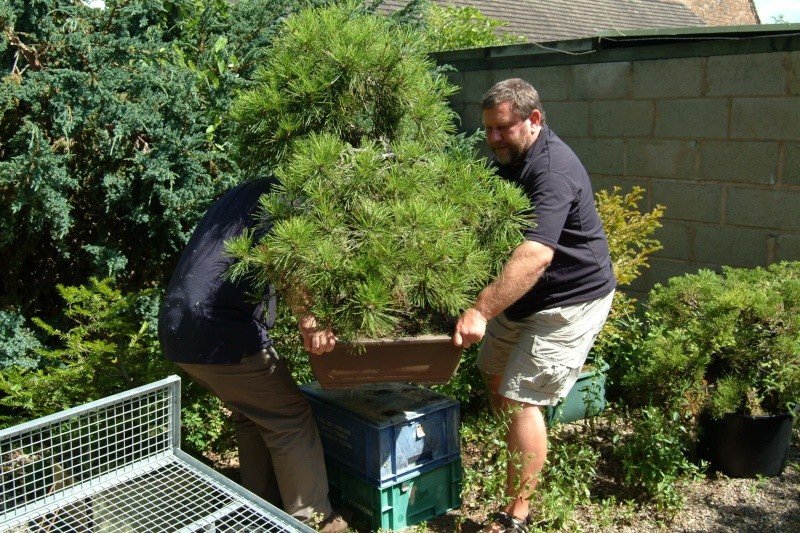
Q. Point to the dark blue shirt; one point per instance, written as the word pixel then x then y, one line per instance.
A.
pixel 206 318
pixel 566 219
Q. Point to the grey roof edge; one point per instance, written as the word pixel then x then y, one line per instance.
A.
pixel 610 46
pixel 701 31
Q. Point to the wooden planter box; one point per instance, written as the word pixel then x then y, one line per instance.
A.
pixel 427 360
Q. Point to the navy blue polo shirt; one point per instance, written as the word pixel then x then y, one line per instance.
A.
pixel 566 219
pixel 206 318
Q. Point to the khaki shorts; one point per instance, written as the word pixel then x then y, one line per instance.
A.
pixel 540 357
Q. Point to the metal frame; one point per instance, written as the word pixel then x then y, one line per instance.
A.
pixel 115 465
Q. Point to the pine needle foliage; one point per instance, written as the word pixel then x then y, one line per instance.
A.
pixel 384 218
pixel 380 241
pixel 345 71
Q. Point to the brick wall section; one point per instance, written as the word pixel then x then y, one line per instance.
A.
pixel 725 12
pixel 714 138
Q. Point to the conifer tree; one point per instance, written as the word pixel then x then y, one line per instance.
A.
pixel 384 217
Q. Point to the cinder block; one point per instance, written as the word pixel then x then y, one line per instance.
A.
pixel 668 78
pixel 692 118
pixel 794 73
pixel 479 82
pixel 728 245
pixel 765 118
pixel 599 81
pixel 741 162
pixel 600 156
pixel 689 201
pixel 791 168
pixel 607 183
pixel 674 237
pixel 552 83
pixel 660 271
pixel 788 248
pixel 763 208
pixel 661 159
pixel 621 118
pixel 568 119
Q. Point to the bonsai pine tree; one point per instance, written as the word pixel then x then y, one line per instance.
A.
pixel 384 219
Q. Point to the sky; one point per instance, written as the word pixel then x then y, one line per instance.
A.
pixel 767 9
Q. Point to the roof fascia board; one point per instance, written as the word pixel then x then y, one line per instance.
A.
pixel 612 47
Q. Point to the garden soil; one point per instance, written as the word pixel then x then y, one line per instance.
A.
pixel 713 505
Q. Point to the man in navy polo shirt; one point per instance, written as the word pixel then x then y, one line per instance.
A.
pixel 539 318
pixel 218 332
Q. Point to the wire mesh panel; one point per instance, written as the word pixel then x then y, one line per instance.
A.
pixel 114 465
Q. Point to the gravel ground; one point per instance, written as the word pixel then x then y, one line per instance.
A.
pixel 715 505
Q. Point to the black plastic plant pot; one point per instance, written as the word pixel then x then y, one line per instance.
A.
pixel 744 446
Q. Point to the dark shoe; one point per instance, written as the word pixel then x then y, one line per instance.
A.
pixel 507 522
pixel 336 522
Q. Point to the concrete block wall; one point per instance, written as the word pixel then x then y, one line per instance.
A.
pixel 710 131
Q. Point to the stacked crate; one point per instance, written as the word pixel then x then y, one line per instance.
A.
pixel 391 449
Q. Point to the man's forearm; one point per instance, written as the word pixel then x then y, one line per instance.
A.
pixel 521 272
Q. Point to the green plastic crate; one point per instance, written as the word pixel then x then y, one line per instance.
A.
pixel 586 398
pixel 424 496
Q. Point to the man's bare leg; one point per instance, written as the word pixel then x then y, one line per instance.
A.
pixel 527 446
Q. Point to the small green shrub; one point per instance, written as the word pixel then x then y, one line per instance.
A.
pixel 108 344
pixel 467 385
pixel 622 346
pixel 629 231
pixel 630 243
pixel 664 370
pixel 206 425
pixel 567 478
pixel 483 438
pixel 654 457
pixel 728 342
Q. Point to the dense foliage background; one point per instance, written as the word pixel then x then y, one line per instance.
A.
pixel 113 142
pixel 112 145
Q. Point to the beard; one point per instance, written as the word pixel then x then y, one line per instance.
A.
pixel 510 153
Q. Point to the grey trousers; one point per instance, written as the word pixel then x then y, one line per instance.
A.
pixel 280 454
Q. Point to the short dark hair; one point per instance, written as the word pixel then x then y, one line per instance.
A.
pixel 523 97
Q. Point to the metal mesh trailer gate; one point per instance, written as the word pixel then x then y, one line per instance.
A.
pixel 114 465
